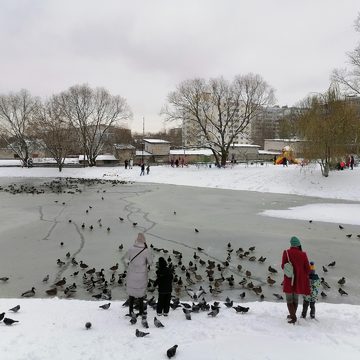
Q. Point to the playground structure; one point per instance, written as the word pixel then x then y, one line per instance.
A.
pixel 287 153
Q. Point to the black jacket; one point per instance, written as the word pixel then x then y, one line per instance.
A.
pixel 164 280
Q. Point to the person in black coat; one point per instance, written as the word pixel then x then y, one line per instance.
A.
pixel 164 282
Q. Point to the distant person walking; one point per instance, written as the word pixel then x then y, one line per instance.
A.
pixel 314 290
pixel 352 162
pixel 164 278
pixel 138 258
pixel 296 281
pixel 148 170
pixel 126 164
pixel 142 167
pixel 131 163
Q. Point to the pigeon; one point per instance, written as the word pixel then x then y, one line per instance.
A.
pixel 29 293
pixel 105 306
pixel 4 278
pixel 252 248
pixel 171 352
pixel 278 296
pixel 332 264
pixel 242 295
pixel 61 282
pixel 214 312
pixel 228 303
pixel 341 292
pixel 341 227
pixel 8 321
pixel 135 223
pixel 15 308
pixel 342 281
pixel 133 319
pixel 139 333
pixel 88 325
pixel 144 322
pixel 196 230
pixel 272 270
pixel 324 284
pixel 52 292
pixel 158 323
pixel 324 269
pixel 187 313
pixel 2 315
pixel 241 309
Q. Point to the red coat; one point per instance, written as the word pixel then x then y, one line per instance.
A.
pixel 301 266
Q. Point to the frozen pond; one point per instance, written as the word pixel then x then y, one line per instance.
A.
pixel 33 226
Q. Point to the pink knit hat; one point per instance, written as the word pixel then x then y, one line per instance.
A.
pixel 140 238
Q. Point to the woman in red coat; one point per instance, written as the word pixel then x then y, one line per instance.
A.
pixel 299 285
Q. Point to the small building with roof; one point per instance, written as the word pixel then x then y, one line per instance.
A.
pixel 124 152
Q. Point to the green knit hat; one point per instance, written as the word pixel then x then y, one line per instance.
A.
pixel 295 242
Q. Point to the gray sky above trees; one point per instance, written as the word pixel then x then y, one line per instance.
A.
pixel 141 49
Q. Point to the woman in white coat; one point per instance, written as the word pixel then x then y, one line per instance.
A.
pixel 138 258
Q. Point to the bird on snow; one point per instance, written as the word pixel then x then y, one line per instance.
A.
pixel 15 308
pixel 88 325
pixel 242 295
pixel 261 259
pixel 52 292
pixel 349 235
pixel 270 281
pixel 342 281
pixel 2 315
pixel 8 321
pixel 83 265
pixel 214 312
pixel 272 270
pixel 29 293
pixel 196 230
pixel 133 319
pixel 171 352
pixel 134 223
pixel 332 264
pixel 46 278
pixel 144 322
pixel 105 306
pixel 139 333
pixel 158 323
pixel 278 296
pixel 342 292
pixel 187 313
pixel 61 282
pixel 228 303
pixel 324 284
pixel 121 219
pixel 4 278
pixel 241 309
pixel 324 269
pixel 323 294
pixel 121 246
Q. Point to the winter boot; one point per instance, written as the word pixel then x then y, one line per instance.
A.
pixel 305 309
pixel 312 310
pixel 293 318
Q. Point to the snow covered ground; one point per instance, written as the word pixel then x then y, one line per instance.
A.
pixel 55 328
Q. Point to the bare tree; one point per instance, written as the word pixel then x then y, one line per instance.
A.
pixel 217 111
pixel 92 112
pixel 349 79
pixel 16 112
pixel 54 131
pixel 329 126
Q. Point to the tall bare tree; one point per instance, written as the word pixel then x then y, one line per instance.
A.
pixel 217 110
pixel 329 125
pixel 92 112
pixel 349 79
pixel 16 112
pixel 54 131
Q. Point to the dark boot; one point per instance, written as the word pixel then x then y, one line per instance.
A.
pixel 131 304
pixel 141 306
pixel 312 310
pixel 304 309
pixel 293 318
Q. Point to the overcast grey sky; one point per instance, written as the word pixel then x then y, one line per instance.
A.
pixel 141 49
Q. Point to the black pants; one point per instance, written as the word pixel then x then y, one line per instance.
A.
pixel 305 309
pixel 140 304
pixel 163 304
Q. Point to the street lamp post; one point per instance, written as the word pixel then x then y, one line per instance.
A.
pixel 143 143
